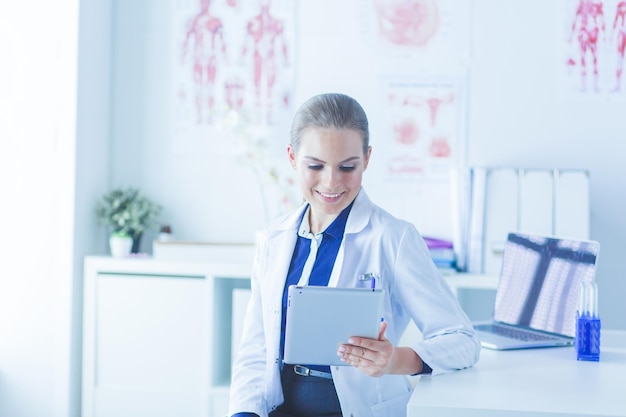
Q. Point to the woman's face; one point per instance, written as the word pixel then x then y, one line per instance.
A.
pixel 330 165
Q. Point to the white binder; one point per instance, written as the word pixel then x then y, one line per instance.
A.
pixel 536 201
pixel 501 212
pixel 540 201
pixel 572 205
pixel 476 226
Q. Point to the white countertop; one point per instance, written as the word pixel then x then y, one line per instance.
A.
pixel 530 382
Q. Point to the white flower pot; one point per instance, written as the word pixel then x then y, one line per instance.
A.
pixel 120 246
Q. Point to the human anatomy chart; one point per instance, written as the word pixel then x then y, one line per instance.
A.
pixel 232 86
pixel 423 129
pixel 414 33
pixel 411 23
pixel 421 52
pixel 233 55
pixel 595 43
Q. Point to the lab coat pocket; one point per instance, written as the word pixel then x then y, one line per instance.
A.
pixel 394 407
pixel 368 280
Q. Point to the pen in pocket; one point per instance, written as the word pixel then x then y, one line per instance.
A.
pixel 371 277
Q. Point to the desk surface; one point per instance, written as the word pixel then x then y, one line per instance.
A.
pixel 530 382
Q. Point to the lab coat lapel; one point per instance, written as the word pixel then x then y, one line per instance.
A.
pixel 281 245
pixel 282 250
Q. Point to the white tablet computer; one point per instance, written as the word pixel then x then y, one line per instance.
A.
pixel 319 319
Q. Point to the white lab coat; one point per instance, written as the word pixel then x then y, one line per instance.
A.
pixel 374 241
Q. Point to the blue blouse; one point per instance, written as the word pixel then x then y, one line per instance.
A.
pixel 328 243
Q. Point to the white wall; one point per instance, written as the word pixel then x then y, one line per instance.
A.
pixel 62 145
pixel 38 110
pixel 92 165
pixel 519 118
pixel 516 116
pixel 54 125
pixel 188 179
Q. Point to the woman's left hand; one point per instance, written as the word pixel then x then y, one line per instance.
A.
pixel 372 356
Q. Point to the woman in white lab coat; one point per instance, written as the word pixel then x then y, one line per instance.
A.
pixel 330 150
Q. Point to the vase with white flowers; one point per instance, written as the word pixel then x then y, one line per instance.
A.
pixel 129 213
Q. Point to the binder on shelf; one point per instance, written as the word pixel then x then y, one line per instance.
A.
pixel 502 200
pixel 536 201
pixel 501 214
pixel 475 238
pixel 459 188
pixel 572 205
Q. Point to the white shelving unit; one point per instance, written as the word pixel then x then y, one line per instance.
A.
pixel 157 336
pixel 157 333
pixel 471 281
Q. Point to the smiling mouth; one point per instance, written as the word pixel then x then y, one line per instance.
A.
pixel 330 196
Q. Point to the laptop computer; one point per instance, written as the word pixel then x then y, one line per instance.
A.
pixel 537 295
pixel 319 319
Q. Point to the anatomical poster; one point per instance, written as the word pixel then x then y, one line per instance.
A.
pixel 423 128
pixel 593 44
pixel 232 83
pixel 427 36
pixel 233 55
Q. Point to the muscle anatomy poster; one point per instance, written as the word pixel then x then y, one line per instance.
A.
pixel 234 54
pixel 594 43
pixel 232 85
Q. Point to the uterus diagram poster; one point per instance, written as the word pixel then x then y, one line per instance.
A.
pixel 422 128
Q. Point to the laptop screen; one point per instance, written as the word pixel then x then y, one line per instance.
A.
pixel 540 279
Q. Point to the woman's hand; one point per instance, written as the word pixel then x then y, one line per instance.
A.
pixel 377 357
pixel 371 356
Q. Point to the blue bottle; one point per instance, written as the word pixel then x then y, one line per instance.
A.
pixel 588 323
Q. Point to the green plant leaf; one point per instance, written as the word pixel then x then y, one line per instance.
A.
pixel 127 211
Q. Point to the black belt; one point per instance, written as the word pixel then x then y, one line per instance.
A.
pixel 304 371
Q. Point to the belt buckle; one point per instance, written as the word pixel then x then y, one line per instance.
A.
pixel 301 370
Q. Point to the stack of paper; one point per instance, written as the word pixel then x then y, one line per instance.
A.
pixel 442 253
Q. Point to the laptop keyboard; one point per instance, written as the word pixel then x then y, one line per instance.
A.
pixel 514 333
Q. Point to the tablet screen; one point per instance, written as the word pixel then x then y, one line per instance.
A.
pixel 319 319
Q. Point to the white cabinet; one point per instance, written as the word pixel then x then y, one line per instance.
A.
pixel 157 336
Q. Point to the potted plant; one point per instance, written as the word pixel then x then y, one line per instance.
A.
pixel 121 244
pixel 129 213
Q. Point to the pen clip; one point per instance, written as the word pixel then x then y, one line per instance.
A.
pixel 370 276
pixel 366 277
